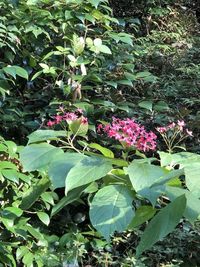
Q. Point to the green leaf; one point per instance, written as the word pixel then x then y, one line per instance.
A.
pixel 21 251
pixel 48 197
pixel 11 175
pixel 181 158
pixel 44 217
pixel 16 70
pixel 162 224
pixel 143 175
pixel 97 42
pixel 35 233
pixel 125 82
pixel 88 170
pixel 95 3
pixel 21 72
pixel 44 135
pixel 146 104
pixel 142 214
pixel 79 128
pixel 17 211
pixel 192 210
pixel 33 193
pixel 7 165
pixel 192 175
pixel 12 148
pixel 111 209
pixel 112 83
pixel 10 70
pixel 28 259
pixel 105 151
pixel 104 49
pixel 161 106
pixel 37 156
pixel 72 196
pixel 61 166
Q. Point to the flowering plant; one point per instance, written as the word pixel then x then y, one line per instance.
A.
pixel 67 117
pixel 129 133
pixel 73 123
pixel 173 134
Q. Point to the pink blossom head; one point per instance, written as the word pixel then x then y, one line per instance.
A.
pixel 50 123
pixel 130 133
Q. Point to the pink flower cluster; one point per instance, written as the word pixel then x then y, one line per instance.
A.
pixel 130 133
pixel 67 117
pixel 179 126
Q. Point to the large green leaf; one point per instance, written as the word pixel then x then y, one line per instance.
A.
pixel 37 156
pixel 60 167
pixel 181 158
pixel 192 211
pixel 87 171
pixel 162 224
pixel 111 209
pixel 192 175
pixel 44 135
pixel 143 175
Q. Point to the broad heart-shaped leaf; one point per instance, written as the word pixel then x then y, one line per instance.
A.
pixel 162 224
pixel 192 211
pixel 192 175
pixel 88 170
pixel 44 135
pixel 60 167
pixel 143 175
pixel 182 158
pixel 111 209
pixel 37 156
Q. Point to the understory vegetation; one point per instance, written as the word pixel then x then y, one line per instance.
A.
pixel 99 133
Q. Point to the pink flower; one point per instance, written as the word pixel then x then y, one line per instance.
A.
pixel 189 132
pixel 70 116
pixel 79 110
pixel 50 123
pixel 161 129
pixel 84 120
pixel 130 133
pixel 58 119
pixel 99 128
pixel 171 125
pixel 181 124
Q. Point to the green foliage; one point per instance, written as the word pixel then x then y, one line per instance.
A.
pixel 70 191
